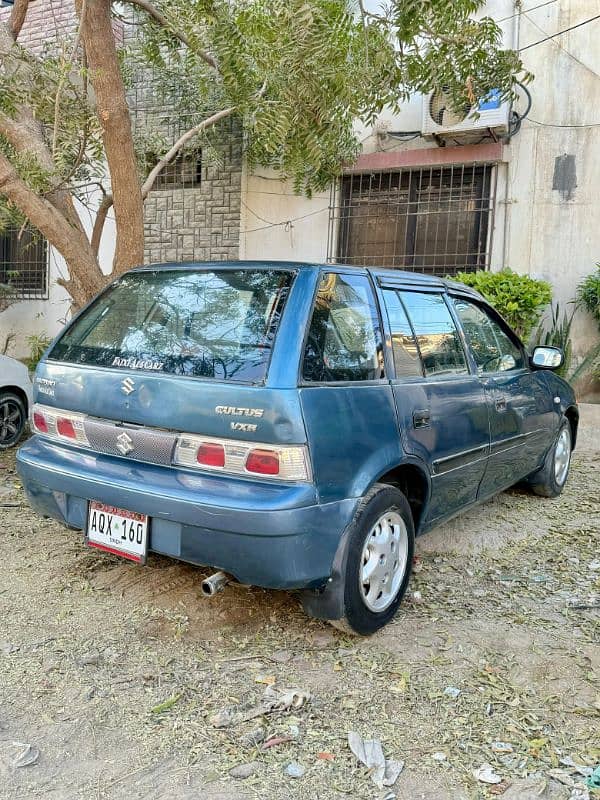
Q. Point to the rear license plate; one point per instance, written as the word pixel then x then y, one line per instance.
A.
pixel 115 530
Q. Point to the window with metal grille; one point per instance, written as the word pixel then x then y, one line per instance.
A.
pixel 24 262
pixel 183 172
pixel 434 220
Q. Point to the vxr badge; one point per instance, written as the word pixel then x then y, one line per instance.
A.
pixel 124 443
pixel 127 386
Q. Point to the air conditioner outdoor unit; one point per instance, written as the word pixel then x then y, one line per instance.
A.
pixel 440 119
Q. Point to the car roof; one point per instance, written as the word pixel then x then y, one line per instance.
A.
pixel 384 273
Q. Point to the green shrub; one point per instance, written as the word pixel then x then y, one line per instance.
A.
pixel 556 332
pixel 518 298
pixel 38 343
pixel 588 294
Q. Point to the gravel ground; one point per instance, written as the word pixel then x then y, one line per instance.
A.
pixel 125 683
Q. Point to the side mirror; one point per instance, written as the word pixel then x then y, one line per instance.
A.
pixel 547 358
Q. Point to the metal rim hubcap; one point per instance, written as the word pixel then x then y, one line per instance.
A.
pixel 11 421
pixel 562 456
pixel 383 562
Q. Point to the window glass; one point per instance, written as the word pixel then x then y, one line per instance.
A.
pixel 439 342
pixel 207 323
pixel 493 349
pixel 344 338
pixel 406 354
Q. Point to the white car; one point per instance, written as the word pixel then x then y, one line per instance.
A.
pixel 15 400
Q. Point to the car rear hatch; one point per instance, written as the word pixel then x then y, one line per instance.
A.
pixel 169 365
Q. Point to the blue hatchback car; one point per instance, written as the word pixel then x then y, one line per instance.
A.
pixel 292 425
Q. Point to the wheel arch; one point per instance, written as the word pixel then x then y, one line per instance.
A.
pixel 572 414
pixel 414 482
pixel 19 392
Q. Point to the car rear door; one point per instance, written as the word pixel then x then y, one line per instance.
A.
pixel 441 405
pixel 522 417
pixel 346 398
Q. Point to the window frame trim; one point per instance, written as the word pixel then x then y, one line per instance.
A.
pixel 443 292
pixel 502 323
pixel 301 383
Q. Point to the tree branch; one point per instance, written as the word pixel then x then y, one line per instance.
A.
pixel 86 278
pixel 183 139
pixel 17 17
pixel 99 221
pixel 62 81
pixel 164 22
pixel 26 135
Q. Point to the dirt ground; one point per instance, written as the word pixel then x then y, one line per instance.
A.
pixel 127 684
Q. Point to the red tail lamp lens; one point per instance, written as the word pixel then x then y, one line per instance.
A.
pixel 263 462
pixel 211 455
pixel 39 422
pixel 65 428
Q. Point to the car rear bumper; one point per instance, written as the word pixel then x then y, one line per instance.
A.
pixel 276 536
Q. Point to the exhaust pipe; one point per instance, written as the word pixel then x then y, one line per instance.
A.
pixel 214 583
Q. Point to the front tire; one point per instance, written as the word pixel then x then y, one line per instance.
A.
pixel 381 545
pixel 12 419
pixel 550 480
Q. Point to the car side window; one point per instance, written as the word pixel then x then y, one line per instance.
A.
pixel 407 361
pixel 439 342
pixel 492 347
pixel 344 338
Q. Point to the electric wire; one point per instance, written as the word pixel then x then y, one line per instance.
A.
pixel 559 33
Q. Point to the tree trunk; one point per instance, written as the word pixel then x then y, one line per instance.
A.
pixel 105 76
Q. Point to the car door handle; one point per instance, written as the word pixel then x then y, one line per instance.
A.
pixel 421 418
pixel 501 403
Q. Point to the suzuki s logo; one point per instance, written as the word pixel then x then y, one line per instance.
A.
pixel 124 443
pixel 127 386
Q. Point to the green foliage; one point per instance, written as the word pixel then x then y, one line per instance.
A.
pixel 557 334
pixel 54 88
pixel 588 294
pixel 38 344
pixel 518 298
pixel 300 72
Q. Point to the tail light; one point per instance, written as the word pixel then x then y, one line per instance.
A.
pixel 211 454
pixel 39 422
pixel 229 456
pixel 286 463
pixel 59 425
pixel 263 462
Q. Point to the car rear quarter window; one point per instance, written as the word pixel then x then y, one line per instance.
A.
pixel 407 361
pixel 438 338
pixel 205 323
pixel 344 338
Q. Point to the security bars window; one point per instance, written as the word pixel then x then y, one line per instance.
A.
pixel 427 220
pixel 24 263
pixel 183 172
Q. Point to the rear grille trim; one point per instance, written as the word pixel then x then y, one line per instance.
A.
pixel 151 445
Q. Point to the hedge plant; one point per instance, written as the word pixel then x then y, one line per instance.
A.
pixel 588 294
pixel 518 298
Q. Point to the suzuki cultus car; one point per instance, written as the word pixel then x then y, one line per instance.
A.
pixel 291 425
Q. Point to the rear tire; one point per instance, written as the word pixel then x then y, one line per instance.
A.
pixel 13 417
pixel 550 479
pixel 381 542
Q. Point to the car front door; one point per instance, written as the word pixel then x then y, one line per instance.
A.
pixel 442 408
pixel 520 403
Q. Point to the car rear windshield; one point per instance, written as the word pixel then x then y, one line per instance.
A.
pixel 204 323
